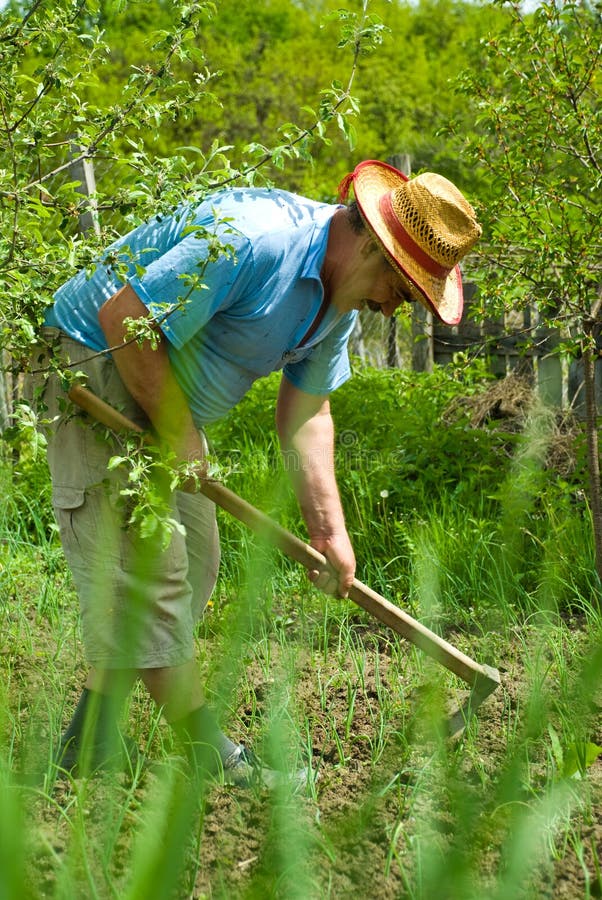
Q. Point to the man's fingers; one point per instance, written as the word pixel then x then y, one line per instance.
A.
pixel 336 576
pixel 344 586
pixel 328 582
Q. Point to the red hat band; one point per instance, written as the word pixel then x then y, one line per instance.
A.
pixel 407 242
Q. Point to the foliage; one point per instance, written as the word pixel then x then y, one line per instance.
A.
pixel 398 809
pixel 25 486
pixel 485 500
pixel 542 219
pixel 267 64
pixel 274 56
pixel 57 109
pixel 541 89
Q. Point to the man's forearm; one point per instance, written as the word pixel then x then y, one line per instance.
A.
pixel 306 432
pixel 309 460
pixel 147 374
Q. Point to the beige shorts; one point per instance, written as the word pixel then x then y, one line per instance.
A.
pixel 139 603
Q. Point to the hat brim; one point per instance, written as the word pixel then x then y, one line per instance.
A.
pixel 442 296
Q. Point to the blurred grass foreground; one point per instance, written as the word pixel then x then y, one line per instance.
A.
pixel 475 522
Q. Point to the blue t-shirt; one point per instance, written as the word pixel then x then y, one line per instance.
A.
pixel 229 318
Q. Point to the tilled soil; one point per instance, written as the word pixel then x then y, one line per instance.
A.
pixel 395 812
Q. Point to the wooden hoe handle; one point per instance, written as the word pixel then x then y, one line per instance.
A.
pixel 485 678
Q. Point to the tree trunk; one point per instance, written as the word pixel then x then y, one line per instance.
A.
pixel 593 459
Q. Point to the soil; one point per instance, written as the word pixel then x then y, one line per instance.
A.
pixel 396 813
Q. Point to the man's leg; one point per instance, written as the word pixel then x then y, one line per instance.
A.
pixel 90 531
pixel 93 741
pixel 139 602
pixel 178 690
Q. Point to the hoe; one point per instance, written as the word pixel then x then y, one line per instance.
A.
pixel 481 679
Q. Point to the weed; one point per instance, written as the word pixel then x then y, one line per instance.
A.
pixel 391 808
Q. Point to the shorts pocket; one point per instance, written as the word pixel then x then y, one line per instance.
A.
pixel 66 501
pixel 67 497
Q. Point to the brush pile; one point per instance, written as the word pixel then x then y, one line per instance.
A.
pixel 507 404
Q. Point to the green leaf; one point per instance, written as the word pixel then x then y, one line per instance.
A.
pixel 578 757
pixel 148 525
pixel 115 462
pixel 556 747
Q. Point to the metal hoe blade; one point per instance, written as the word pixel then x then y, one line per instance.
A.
pixel 482 688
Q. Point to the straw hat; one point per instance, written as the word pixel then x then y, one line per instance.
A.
pixel 424 226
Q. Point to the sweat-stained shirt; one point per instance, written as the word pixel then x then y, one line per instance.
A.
pixel 232 319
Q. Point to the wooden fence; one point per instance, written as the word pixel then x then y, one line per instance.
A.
pixel 512 343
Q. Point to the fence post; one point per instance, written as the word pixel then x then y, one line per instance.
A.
pixel 576 386
pixel 423 352
pixel 549 368
pixel 82 170
pixel 493 330
pixel 549 380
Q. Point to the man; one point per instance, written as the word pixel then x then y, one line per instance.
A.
pixel 284 296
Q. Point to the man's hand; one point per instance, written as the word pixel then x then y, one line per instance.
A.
pixel 338 577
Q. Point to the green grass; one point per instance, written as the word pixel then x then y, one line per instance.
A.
pixel 510 809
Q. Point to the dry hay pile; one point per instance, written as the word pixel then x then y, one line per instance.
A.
pixel 508 404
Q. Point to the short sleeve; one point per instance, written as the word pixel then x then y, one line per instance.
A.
pixel 184 291
pixel 326 366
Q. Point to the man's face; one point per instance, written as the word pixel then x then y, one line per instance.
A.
pixel 372 282
pixel 389 291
